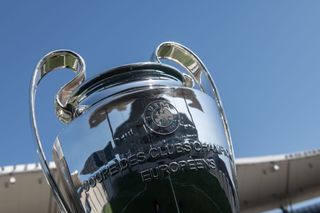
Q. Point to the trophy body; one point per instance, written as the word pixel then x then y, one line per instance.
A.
pixel 143 138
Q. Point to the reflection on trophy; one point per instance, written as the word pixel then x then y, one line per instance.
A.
pixel 144 137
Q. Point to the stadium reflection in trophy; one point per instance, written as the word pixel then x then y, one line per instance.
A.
pixel 144 137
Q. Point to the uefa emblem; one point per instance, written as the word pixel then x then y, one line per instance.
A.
pixel 161 117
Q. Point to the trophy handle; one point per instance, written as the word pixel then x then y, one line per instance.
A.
pixel 191 62
pixel 51 61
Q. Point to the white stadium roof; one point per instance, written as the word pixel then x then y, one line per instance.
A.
pixel 273 181
pixel 264 183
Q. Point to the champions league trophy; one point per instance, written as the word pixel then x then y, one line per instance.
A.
pixel 143 137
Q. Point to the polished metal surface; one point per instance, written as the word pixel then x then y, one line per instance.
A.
pixel 54 60
pixel 142 137
pixel 199 73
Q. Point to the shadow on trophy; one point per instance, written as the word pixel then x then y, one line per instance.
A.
pixel 143 137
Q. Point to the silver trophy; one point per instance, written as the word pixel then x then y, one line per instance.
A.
pixel 143 137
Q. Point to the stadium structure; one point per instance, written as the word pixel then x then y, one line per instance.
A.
pixel 264 183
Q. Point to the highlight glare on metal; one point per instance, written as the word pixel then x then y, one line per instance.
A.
pixel 139 136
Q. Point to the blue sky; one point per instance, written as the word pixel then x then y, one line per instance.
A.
pixel 263 55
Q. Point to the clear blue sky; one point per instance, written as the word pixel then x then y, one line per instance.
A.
pixel 264 56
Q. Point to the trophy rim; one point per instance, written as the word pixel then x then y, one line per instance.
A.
pixel 127 68
pixel 108 79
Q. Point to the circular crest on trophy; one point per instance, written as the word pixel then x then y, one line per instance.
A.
pixel 161 117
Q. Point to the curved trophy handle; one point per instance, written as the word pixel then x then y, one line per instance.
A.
pixel 190 61
pixel 54 60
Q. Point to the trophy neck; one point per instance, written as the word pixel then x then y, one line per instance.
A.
pixel 123 79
